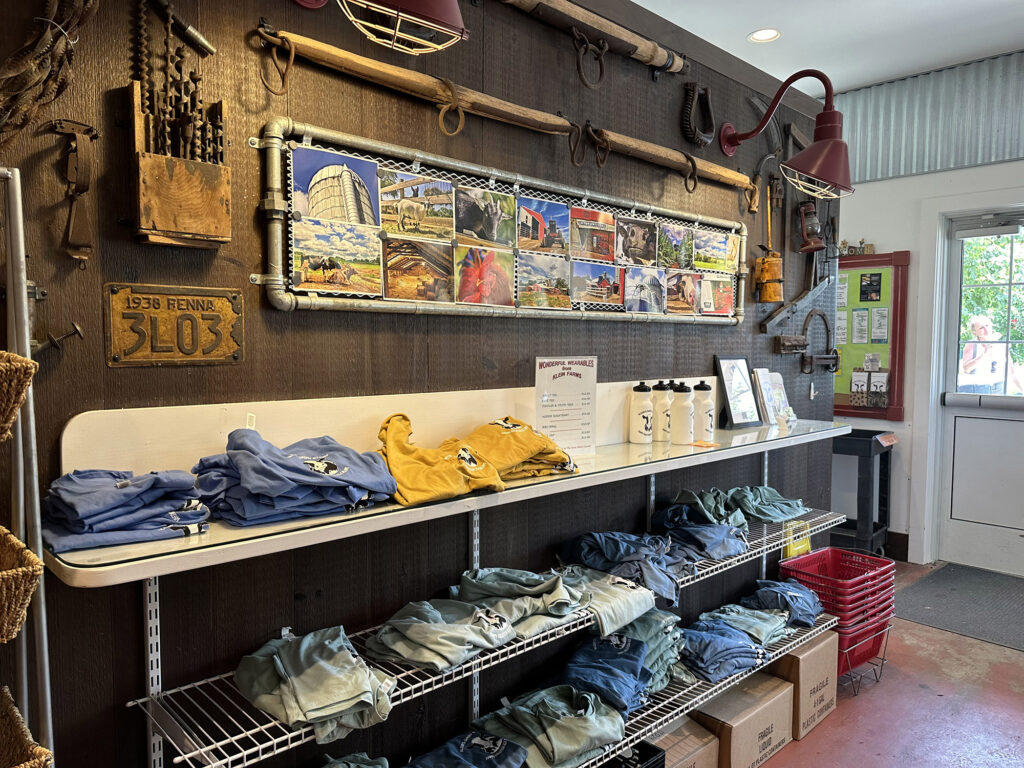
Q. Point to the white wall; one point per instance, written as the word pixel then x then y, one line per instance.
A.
pixel 906 214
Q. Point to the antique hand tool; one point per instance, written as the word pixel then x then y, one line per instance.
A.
pixel 186 32
pixel 78 171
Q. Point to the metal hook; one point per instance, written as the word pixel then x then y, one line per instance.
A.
pixel 583 47
pixel 577 147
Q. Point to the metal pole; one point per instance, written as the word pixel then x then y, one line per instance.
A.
pixel 474 562
pixel 17 501
pixel 17 293
pixel 764 526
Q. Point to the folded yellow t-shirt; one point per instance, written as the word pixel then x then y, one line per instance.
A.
pixel 430 474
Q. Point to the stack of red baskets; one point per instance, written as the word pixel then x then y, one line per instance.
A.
pixel 855 587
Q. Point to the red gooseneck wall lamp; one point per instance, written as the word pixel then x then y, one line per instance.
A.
pixel 821 170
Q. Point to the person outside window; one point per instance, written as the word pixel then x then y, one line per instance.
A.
pixel 983 365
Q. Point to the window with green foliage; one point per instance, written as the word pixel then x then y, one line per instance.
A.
pixel 992 316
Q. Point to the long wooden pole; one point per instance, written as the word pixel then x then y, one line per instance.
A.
pixel 439 91
pixel 562 14
pixel 425 86
pixel 670 158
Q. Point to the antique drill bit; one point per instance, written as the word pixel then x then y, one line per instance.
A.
pixel 218 137
pixel 180 102
pixel 142 71
pixel 195 116
pixel 165 107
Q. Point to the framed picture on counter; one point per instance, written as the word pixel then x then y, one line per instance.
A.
pixel 740 398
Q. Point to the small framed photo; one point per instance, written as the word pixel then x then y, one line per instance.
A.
pixel 740 398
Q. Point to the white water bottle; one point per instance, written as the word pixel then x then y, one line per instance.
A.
pixel 641 415
pixel 662 401
pixel 703 413
pixel 682 415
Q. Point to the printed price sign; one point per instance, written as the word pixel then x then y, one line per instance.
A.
pixel 172 325
pixel 566 399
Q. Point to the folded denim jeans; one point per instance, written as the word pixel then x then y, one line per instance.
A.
pixel 613 668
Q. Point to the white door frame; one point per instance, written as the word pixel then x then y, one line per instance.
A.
pixel 929 360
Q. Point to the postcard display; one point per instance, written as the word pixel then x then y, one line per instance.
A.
pixel 369 227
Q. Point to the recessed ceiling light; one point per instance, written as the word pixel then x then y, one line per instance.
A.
pixel 765 35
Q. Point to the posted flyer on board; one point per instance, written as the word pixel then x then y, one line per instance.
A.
pixel 566 395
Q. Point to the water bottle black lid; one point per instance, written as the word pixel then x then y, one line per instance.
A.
pixel 641 387
pixel 661 386
pixel 703 387
pixel 681 387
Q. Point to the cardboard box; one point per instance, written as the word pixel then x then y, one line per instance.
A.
pixel 690 746
pixel 753 720
pixel 811 669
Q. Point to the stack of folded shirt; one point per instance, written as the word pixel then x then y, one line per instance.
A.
pixel 763 503
pixel 257 482
pixel 99 508
pixel 789 595
pixel 713 650
pixel 560 726
pixel 505 449
pixel 475 749
pixel 736 506
pixel 700 539
pixel 358 760
pixel 439 634
pixel 613 668
pixel 614 601
pixel 763 627
pixel 532 602
pixel 661 633
pixel 316 679
pixel 517 450
pixel 653 561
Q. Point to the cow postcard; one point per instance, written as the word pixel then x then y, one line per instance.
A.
pixel 683 289
pixel 591 234
pixel 484 217
pixel 675 246
pixel 636 241
pixel 645 290
pixel 331 186
pixel 596 283
pixel 334 257
pixel 543 225
pixel 416 207
pixel 484 276
pixel 543 280
pixel 418 270
pixel 715 250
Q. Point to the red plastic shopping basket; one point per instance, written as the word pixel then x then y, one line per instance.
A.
pixel 838 573
pixel 862 645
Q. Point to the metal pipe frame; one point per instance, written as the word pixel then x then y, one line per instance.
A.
pixel 17 296
pixel 278 130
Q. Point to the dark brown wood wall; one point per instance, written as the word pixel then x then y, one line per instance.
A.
pixel 213 616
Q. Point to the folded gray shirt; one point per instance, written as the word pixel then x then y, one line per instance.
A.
pixel 317 679
pixel 439 634
pixel 534 603
pixel 614 601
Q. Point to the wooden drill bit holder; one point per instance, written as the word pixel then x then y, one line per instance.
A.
pixel 180 201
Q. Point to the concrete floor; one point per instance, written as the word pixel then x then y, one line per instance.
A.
pixel 944 701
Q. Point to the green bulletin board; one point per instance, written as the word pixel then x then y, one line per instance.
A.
pixel 870 329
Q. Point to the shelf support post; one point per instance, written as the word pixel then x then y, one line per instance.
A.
pixel 154 680
pixel 764 526
pixel 650 501
pixel 474 562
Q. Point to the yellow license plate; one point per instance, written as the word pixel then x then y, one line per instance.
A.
pixel 172 325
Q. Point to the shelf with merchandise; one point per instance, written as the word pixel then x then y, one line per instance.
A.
pixel 223 543
pixel 210 723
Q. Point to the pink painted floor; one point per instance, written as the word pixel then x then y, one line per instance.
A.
pixel 944 701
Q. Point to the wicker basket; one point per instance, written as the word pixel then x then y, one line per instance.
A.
pixel 17 748
pixel 20 571
pixel 16 374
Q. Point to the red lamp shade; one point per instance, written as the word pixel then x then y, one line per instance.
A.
pixel 412 26
pixel 821 170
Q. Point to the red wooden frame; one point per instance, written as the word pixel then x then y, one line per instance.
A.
pixel 900 263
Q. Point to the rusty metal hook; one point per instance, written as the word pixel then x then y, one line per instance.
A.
pixel 602 147
pixel 577 147
pixel 690 177
pixel 283 71
pixel 584 47
pixel 831 357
